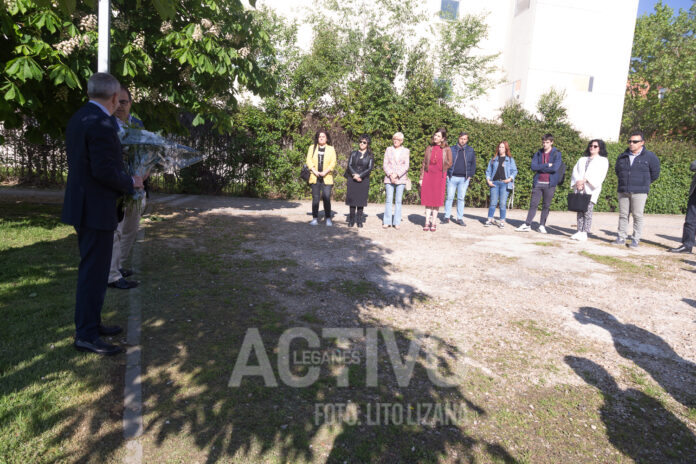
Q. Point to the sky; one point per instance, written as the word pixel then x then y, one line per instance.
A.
pixel 646 6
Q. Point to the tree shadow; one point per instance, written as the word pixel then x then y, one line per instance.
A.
pixel 50 393
pixel 238 274
pixel 648 351
pixel 637 424
pixel 179 200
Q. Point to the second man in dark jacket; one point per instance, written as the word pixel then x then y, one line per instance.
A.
pixel 459 176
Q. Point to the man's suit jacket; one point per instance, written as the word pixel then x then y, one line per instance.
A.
pixel 96 174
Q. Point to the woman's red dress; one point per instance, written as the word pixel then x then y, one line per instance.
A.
pixel 434 181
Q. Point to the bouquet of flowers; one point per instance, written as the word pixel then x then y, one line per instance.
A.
pixel 144 150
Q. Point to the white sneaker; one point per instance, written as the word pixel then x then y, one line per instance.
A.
pixel 489 222
pixel 523 228
pixel 314 222
pixel 582 237
pixel 542 230
pixel 328 222
pixel 575 236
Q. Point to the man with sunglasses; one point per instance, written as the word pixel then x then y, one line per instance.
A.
pixel 636 168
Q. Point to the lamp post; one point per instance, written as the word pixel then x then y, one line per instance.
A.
pixel 103 49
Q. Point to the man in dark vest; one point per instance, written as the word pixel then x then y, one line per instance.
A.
pixel 96 179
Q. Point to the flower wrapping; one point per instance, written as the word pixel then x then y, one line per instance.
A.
pixel 144 150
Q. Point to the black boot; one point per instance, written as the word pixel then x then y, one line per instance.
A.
pixel 351 220
pixel 360 218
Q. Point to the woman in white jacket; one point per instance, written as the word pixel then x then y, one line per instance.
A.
pixel 588 175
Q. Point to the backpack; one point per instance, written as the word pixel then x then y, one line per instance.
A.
pixel 562 172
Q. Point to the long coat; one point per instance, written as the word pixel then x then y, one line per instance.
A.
pixel 97 176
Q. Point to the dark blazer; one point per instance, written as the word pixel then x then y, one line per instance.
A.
pixel 361 167
pixel 692 189
pixel 637 178
pixel 96 174
pixel 539 167
pixel 470 159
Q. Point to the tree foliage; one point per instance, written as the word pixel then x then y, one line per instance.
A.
pixel 196 62
pixel 661 90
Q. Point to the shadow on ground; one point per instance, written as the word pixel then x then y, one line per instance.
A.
pixel 650 352
pixel 637 424
pixel 56 405
pixel 213 279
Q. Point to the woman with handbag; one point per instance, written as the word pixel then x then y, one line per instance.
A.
pixel 587 178
pixel 360 164
pixel 321 161
pixel 500 176
pixel 433 178
pixel 396 162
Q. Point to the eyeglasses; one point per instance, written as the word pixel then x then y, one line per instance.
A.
pixel 594 146
pixel 363 141
pixel 634 141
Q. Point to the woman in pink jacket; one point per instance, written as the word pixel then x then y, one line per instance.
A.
pixel 396 160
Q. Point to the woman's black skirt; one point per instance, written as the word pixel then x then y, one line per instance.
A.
pixel 357 192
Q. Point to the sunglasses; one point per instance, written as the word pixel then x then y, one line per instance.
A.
pixel 363 141
pixel 594 146
pixel 634 141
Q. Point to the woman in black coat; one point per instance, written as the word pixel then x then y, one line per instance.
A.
pixel 360 164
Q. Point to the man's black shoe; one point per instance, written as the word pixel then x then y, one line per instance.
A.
pixel 124 284
pixel 109 330
pixel 680 249
pixel 97 346
pixel 125 272
pixel 460 222
pixel 445 221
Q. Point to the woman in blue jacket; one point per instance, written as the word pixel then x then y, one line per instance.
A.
pixel 500 176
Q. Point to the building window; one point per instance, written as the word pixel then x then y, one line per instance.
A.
pixel 449 10
pixel 521 5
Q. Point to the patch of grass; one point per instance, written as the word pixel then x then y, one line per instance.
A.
pixel 547 244
pixel 531 327
pixel 311 318
pixel 357 289
pixel 691 414
pixel 56 404
pixel 622 265
pixel 266 265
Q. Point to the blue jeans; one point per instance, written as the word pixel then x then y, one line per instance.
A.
pixel 388 207
pixel 499 192
pixel 458 184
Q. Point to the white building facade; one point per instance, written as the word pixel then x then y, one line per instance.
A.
pixel 582 47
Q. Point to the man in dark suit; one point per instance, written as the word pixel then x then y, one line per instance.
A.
pixel 96 179
pixel 689 232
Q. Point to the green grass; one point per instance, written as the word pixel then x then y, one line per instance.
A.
pixel 623 265
pixel 547 244
pixel 531 327
pixel 50 395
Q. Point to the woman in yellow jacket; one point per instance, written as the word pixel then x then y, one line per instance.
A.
pixel 321 161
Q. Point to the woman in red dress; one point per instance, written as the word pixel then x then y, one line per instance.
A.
pixel 433 178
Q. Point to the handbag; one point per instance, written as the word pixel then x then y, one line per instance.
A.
pixel 578 201
pixel 305 173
